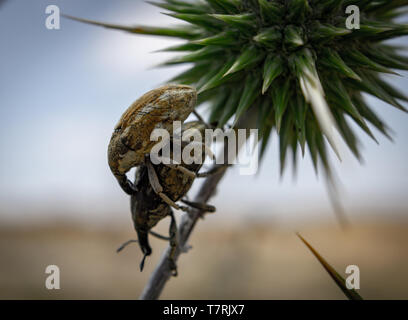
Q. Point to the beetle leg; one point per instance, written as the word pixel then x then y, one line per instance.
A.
pixel 126 184
pixel 173 245
pixel 201 206
pixel 200 118
pixel 174 165
pixel 159 236
pixel 182 169
pixel 155 183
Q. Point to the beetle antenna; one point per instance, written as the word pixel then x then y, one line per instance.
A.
pixel 123 246
pixel 159 236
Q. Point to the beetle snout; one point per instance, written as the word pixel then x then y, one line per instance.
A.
pixel 143 237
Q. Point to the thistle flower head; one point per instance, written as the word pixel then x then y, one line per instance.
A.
pixel 292 62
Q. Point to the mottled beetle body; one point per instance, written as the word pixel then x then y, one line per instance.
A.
pixel 157 188
pixel 148 208
pixel 130 141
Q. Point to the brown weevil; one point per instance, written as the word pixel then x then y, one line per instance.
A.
pixel 130 141
pixel 148 207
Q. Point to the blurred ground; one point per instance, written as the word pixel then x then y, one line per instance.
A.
pixel 240 261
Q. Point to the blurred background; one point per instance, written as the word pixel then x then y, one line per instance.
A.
pixel 62 92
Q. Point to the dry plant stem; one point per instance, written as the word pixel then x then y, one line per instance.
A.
pixel 162 273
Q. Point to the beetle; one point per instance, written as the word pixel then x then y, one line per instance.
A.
pixel 130 141
pixel 148 207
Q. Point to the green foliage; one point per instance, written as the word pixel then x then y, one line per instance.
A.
pixel 273 57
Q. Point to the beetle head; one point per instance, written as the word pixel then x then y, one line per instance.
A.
pixel 143 237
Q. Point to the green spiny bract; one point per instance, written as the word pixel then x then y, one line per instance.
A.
pixel 293 62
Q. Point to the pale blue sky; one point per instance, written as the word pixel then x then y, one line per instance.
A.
pixel 63 91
